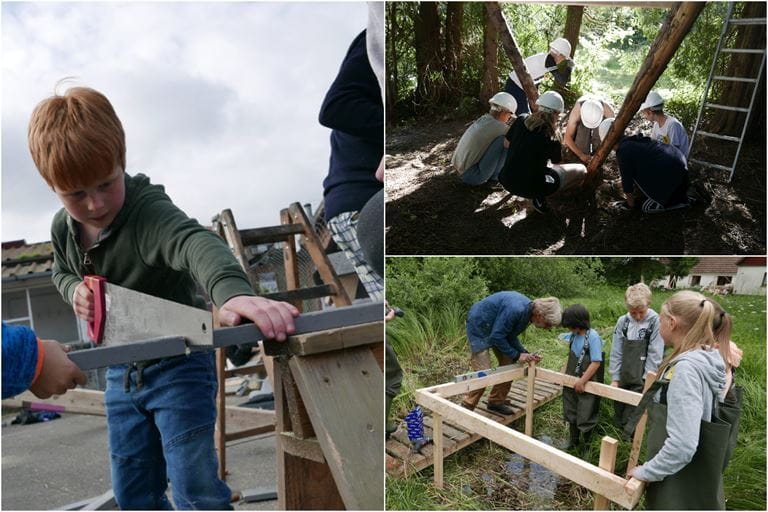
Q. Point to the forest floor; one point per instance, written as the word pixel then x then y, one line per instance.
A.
pixel 429 210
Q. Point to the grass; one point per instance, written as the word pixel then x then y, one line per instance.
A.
pixel 432 348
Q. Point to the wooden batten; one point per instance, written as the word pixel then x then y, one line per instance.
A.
pixel 530 399
pixel 608 448
pixel 336 339
pixel 598 480
pixel 604 390
pixel 637 440
pixel 459 388
pixel 75 401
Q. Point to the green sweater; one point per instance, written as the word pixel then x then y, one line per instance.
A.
pixel 151 247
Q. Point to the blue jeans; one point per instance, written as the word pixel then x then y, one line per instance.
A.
pixel 164 431
pixel 489 165
pixel 519 94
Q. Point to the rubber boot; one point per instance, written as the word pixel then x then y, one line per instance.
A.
pixel 573 442
pixel 586 437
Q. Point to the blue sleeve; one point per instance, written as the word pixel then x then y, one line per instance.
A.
pixel 19 359
pixel 353 103
pixel 595 346
pixel 500 337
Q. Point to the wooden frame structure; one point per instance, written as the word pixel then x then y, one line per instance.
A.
pixel 601 479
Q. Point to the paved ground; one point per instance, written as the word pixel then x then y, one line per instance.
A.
pixel 50 465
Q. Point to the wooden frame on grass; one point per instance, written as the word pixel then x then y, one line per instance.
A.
pixel 601 479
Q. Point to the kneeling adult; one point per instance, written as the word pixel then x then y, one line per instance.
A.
pixel 482 149
pixel 533 141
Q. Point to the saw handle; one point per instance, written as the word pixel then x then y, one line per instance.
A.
pixel 96 326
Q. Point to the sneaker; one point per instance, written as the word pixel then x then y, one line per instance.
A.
pixel 621 205
pixel 502 409
pixel 540 206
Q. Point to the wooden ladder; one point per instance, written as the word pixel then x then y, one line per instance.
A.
pixel 294 221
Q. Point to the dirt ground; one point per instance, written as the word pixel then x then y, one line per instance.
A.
pixel 430 211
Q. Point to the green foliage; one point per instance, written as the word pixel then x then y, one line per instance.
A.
pixel 627 271
pixel 422 285
pixel 539 277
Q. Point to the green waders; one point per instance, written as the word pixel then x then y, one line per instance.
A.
pixel 394 379
pixel 633 355
pixel 699 485
pixel 730 411
pixel 582 409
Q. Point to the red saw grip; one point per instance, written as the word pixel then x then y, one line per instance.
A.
pixel 96 327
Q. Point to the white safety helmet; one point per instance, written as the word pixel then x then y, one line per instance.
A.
pixel 602 130
pixel 551 101
pixel 591 113
pixel 504 100
pixel 561 46
pixel 654 99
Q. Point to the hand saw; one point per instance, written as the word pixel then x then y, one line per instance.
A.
pixel 132 326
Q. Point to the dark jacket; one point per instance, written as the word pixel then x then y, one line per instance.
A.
pixel 151 247
pixel 658 169
pixel 19 359
pixel 353 110
pixel 526 163
pixel 497 321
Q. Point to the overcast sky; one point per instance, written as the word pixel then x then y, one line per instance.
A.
pixel 219 101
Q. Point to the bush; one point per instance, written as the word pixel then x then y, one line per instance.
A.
pixel 539 277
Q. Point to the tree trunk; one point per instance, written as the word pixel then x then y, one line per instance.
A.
pixel 490 85
pixel 675 28
pixel 573 26
pixel 429 69
pixel 454 21
pixel 392 36
pixel 510 46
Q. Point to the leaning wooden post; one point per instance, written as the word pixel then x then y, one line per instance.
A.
pixel 678 23
pixel 637 442
pixel 437 440
pixel 608 448
pixel 529 402
pixel 510 46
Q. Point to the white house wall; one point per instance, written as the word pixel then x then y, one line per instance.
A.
pixel 749 281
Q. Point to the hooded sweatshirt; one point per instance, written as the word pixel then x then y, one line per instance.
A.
pixel 151 247
pixel 695 380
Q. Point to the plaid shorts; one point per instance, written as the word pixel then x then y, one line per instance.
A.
pixel 344 231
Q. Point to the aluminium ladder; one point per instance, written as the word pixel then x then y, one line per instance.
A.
pixel 729 21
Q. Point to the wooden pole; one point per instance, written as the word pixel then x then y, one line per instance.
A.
pixel 221 403
pixel 437 439
pixel 678 23
pixel 510 46
pixel 637 442
pixel 608 448
pixel 529 402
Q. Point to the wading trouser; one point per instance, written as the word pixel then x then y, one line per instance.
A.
pixel 581 409
pixel 699 485
pixel 730 411
pixel 633 356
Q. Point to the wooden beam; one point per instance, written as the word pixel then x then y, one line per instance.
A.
pixel 593 478
pixel 270 234
pixel 608 448
pixel 637 440
pixel 511 48
pixel 437 439
pixel 675 28
pixel 290 258
pixel 304 448
pixel 75 401
pixel 530 399
pixel 459 388
pixel 242 418
pixel 336 339
pixel 604 390
pixel 220 434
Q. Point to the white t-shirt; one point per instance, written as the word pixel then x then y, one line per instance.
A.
pixel 672 133
pixel 536 67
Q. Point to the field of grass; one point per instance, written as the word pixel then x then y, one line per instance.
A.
pixel 433 349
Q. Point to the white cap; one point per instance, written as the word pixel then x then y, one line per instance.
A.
pixel 654 99
pixel 591 113
pixel 504 100
pixel 551 101
pixel 561 46
pixel 602 130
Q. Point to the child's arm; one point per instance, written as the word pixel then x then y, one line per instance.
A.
pixel 655 349
pixel 66 279
pixel 614 368
pixel 591 369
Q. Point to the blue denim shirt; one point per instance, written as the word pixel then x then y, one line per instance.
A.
pixel 497 320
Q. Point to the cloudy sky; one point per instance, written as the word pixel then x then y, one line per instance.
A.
pixel 219 101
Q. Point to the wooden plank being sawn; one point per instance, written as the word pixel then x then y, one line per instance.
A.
pixel 343 392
